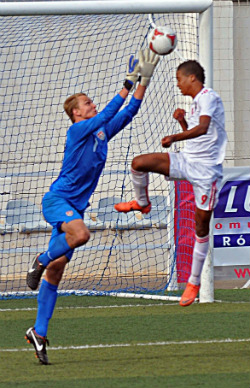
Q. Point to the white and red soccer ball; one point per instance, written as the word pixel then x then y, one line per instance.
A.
pixel 162 40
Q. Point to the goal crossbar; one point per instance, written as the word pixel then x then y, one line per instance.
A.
pixel 102 7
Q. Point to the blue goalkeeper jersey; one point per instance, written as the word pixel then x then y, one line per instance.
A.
pixel 86 151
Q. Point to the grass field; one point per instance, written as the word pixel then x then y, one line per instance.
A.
pixel 105 342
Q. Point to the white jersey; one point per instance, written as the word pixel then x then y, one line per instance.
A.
pixel 210 148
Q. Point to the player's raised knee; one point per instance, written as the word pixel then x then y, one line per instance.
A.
pixel 137 163
pixel 84 236
pixel 81 237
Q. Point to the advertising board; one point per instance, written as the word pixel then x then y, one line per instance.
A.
pixel 231 227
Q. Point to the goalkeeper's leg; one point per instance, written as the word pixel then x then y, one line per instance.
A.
pixel 72 235
pixel 69 232
pixel 46 300
pixel 141 166
pixel 48 294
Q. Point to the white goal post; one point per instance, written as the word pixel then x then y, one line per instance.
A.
pixel 91 7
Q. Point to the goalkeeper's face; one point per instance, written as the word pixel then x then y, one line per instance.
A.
pixel 85 110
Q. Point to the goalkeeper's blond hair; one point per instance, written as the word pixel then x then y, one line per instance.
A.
pixel 72 103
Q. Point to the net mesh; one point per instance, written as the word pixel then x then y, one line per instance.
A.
pixel 43 60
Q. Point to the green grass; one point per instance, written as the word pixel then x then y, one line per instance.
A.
pixel 79 321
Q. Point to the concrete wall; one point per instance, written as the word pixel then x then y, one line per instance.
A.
pixel 231 75
pixel 242 82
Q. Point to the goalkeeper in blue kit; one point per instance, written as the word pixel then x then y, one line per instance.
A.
pixel 64 205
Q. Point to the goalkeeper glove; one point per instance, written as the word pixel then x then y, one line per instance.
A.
pixel 132 73
pixel 147 63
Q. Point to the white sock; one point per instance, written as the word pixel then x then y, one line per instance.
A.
pixel 201 247
pixel 140 182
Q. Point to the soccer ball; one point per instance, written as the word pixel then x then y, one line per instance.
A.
pixel 162 40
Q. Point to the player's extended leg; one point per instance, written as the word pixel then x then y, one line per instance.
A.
pixel 201 246
pixel 141 166
pixel 71 235
pixel 47 297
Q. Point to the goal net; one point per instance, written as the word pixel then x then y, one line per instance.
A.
pixel 43 60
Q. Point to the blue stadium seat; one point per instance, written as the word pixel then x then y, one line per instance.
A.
pixel 25 216
pixel 93 223
pixel 5 228
pixel 5 196
pixel 116 220
pixel 159 212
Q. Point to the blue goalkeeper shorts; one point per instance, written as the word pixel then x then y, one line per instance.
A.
pixel 57 210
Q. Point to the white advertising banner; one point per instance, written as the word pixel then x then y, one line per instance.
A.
pixel 231 222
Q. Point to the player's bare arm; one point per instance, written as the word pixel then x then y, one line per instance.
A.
pixel 124 93
pixel 197 131
pixel 140 91
pixel 179 115
pixel 138 94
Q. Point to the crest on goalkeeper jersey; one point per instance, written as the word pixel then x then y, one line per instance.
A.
pixel 162 40
pixel 101 135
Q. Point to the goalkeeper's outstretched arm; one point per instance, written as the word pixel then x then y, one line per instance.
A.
pixel 141 70
pixel 146 66
pixel 138 94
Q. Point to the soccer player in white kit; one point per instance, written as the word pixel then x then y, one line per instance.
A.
pixel 200 163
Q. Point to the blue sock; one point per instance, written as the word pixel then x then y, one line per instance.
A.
pixel 46 303
pixel 57 247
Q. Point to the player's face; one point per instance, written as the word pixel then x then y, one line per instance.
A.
pixel 86 108
pixel 184 82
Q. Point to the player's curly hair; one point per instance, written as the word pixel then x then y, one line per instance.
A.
pixel 193 67
pixel 72 103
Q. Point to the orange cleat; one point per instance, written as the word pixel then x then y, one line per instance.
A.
pixel 125 207
pixel 189 295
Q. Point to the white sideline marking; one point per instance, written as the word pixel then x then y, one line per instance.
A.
pixel 102 346
pixel 92 307
pixel 112 307
pixel 98 293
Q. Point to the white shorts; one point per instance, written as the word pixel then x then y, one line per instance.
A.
pixel 206 180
